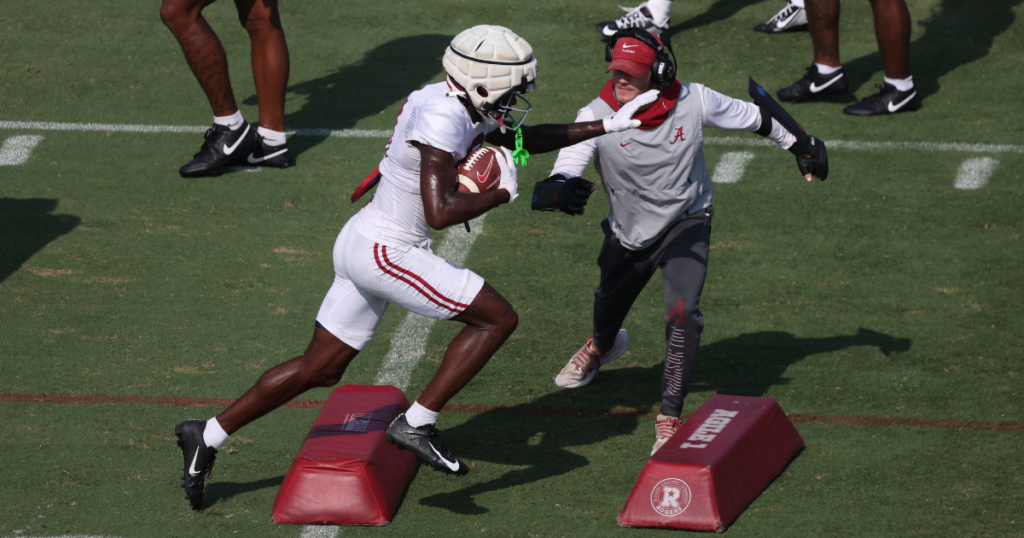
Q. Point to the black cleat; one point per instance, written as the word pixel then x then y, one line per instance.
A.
pixel 814 84
pixel 198 458
pixel 790 19
pixel 887 101
pixel 263 154
pixel 636 17
pixel 425 442
pixel 220 146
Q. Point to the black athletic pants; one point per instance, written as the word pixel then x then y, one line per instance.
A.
pixel 682 255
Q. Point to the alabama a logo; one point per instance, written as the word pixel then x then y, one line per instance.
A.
pixel 670 497
pixel 678 137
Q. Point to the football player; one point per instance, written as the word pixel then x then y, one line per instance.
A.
pixel 659 208
pixel 231 139
pixel 382 255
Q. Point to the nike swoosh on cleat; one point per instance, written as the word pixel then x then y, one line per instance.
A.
pixel 228 150
pixel 480 177
pixel 258 160
pixel 815 88
pixel 785 22
pixel 893 108
pixel 192 469
pixel 453 466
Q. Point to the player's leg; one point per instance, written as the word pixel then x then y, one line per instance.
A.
pixel 892 30
pixel 346 322
pixel 321 365
pixel 209 64
pixel 825 76
pixel 426 284
pixel 624 273
pixel 684 265
pixel 270 65
pixel 490 320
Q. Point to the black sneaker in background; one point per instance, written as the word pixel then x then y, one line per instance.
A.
pixel 814 84
pixel 790 19
pixel 198 459
pixel 220 146
pixel 425 442
pixel 263 154
pixel 887 101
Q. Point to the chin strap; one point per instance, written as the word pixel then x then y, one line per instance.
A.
pixel 454 89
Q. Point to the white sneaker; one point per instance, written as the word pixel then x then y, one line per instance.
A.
pixel 635 17
pixel 790 19
pixel 664 429
pixel 584 365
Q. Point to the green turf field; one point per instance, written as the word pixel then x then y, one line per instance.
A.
pixel 883 292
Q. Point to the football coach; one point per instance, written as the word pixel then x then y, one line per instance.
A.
pixel 659 207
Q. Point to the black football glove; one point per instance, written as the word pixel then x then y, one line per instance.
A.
pixel 816 166
pixel 557 193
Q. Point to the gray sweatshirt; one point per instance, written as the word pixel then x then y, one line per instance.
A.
pixel 656 176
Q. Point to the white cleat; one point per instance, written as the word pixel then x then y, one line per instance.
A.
pixel 635 17
pixel 584 365
pixel 664 428
pixel 790 19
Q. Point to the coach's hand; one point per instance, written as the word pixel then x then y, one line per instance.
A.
pixel 623 119
pixel 509 178
pixel 811 167
pixel 562 194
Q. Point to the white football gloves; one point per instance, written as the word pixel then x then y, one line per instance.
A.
pixel 509 179
pixel 623 119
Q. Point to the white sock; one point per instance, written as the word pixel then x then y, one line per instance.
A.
pixel 214 435
pixel 826 70
pixel 797 3
pixel 417 415
pixel 272 138
pixel 659 10
pixel 233 121
pixel 903 85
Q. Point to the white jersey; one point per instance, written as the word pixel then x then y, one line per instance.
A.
pixel 395 214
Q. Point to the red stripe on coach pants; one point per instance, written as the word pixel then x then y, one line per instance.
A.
pixel 383 252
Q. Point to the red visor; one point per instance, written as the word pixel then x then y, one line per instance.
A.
pixel 632 56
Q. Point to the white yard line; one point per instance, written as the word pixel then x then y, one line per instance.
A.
pixel 135 128
pixel 320 531
pixel 410 340
pixel 386 133
pixel 17 149
pixel 730 169
pixel 974 173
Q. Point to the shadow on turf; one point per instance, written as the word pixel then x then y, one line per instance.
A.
pixel 26 227
pixel 958 32
pixel 219 491
pixel 544 445
pixel 386 75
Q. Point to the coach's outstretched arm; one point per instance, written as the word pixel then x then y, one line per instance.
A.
pixel 555 136
pixel 443 205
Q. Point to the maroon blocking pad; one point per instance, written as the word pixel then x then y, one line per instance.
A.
pixel 346 473
pixel 714 466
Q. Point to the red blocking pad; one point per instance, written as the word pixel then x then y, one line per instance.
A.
pixel 714 466
pixel 346 473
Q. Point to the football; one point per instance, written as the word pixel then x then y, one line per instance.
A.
pixel 479 172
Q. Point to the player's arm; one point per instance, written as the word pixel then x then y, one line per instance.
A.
pixel 443 205
pixel 554 136
pixel 724 112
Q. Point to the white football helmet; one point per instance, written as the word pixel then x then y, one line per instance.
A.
pixel 490 65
